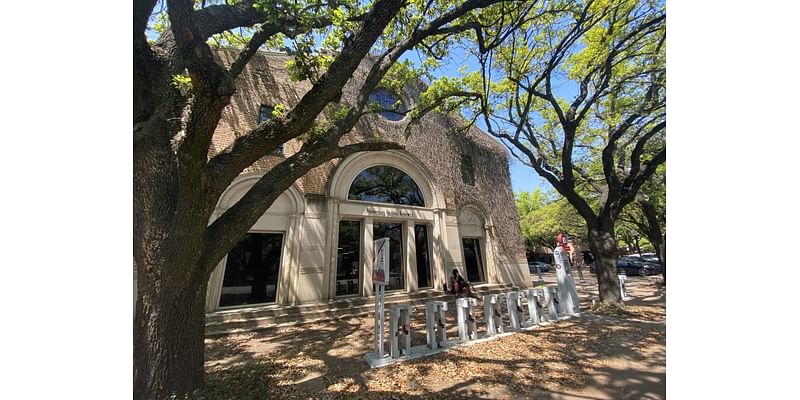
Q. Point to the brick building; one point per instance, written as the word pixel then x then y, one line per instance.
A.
pixel 445 202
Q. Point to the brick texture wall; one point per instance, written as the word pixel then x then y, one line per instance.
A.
pixel 437 140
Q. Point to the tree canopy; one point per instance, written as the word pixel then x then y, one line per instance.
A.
pixel 577 91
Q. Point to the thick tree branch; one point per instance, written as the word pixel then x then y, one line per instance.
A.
pixel 228 229
pixel 141 14
pixel 253 145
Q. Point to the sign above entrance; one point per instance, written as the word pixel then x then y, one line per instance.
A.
pixel 382 212
pixel 364 210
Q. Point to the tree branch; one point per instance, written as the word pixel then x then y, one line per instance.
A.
pixel 226 230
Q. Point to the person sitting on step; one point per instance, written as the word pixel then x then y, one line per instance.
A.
pixel 459 285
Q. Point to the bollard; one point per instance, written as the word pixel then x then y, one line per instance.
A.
pixel 623 291
pixel 465 312
pixel 400 328
pixel 514 307
pixel 493 314
pixel 435 324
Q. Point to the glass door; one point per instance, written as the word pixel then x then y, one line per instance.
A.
pixel 348 259
pixel 473 259
pixel 394 231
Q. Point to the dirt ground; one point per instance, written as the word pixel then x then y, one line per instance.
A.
pixel 596 356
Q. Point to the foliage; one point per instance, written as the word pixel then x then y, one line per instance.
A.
pixel 576 90
pixel 181 90
pixel 545 214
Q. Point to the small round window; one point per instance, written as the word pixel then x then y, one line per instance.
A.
pixel 393 108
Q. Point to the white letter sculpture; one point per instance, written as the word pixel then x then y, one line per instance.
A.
pixel 400 325
pixel 568 303
pixel 535 308
pixel 493 314
pixel 551 297
pixel 514 306
pixel 434 322
pixel 465 311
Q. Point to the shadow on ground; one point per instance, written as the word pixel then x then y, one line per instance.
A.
pixel 593 357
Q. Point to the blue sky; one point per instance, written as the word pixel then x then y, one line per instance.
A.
pixel 523 178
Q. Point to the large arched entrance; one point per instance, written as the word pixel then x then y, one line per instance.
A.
pixel 385 194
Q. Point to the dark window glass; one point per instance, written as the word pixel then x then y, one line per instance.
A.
pixel 385 184
pixel 388 101
pixel 396 279
pixel 252 270
pixel 467 170
pixel 348 261
pixel 473 259
pixel 423 256
pixel 265 114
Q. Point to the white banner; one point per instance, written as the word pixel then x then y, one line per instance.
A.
pixel 381 264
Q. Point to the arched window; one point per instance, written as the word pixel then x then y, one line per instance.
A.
pixel 385 184
pixel 388 101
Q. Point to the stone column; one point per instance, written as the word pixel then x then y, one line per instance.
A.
pixel 294 275
pixel 490 261
pixel 368 255
pixel 438 275
pixel 332 247
pixel 411 257
pixel 289 263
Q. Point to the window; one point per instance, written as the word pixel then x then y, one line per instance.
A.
pixel 385 184
pixel 388 101
pixel 348 263
pixel 265 114
pixel 252 270
pixel 467 170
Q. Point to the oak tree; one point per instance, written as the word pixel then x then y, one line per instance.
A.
pixel 578 93
pixel 180 92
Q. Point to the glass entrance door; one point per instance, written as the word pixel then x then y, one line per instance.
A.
pixel 423 256
pixel 473 259
pixel 394 231
pixel 348 261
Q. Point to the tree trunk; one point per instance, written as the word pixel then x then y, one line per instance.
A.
pixel 654 235
pixel 169 328
pixel 661 251
pixel 169 320
pixel 604 249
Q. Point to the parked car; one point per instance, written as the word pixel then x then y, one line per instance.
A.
pixel 651 257
pixel 629 266
pixel 543 266
pixel 634 266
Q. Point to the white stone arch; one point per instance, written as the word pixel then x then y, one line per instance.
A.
pixel 475 223
pixel 471 214
pixel 367 212
pixel 348 170
pixel 281 217
pixel 289 202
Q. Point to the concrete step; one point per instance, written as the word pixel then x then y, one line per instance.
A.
pixel 254 318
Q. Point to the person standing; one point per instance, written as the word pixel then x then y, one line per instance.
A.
pixel 576 258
